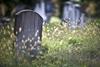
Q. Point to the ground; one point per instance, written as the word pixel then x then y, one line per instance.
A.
pixel 61 47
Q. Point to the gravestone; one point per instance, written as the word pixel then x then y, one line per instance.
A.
pixel 45 9
pixel 40 9
pixel 49 9
pixel 73 15
pixel 4 21
pixel 28 31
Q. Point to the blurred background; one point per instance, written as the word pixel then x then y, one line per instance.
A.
pixel 63 9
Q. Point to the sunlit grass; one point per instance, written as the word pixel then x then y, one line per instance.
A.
pixel 61 47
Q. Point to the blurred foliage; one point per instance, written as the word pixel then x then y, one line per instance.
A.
pixel 61 47
pixel 6 45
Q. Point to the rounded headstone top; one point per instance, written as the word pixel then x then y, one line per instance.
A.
pixel 68 2
pixel 75 0
pixel 77 5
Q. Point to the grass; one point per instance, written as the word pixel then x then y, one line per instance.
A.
pixel 61 47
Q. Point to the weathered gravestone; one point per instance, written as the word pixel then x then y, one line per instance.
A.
pixel 28 31
pixel 73 15
pixel 45 8
pixel 4 21
pixel 40 9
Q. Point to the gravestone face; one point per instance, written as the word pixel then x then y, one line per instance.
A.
pixel 73 15
pixel 40 9
pixel 28 31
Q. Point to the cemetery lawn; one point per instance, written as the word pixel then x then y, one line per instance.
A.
pixel 61 47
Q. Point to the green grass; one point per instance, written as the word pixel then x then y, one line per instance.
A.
pixel 61 47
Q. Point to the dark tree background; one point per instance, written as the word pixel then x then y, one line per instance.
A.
pixel 93 5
